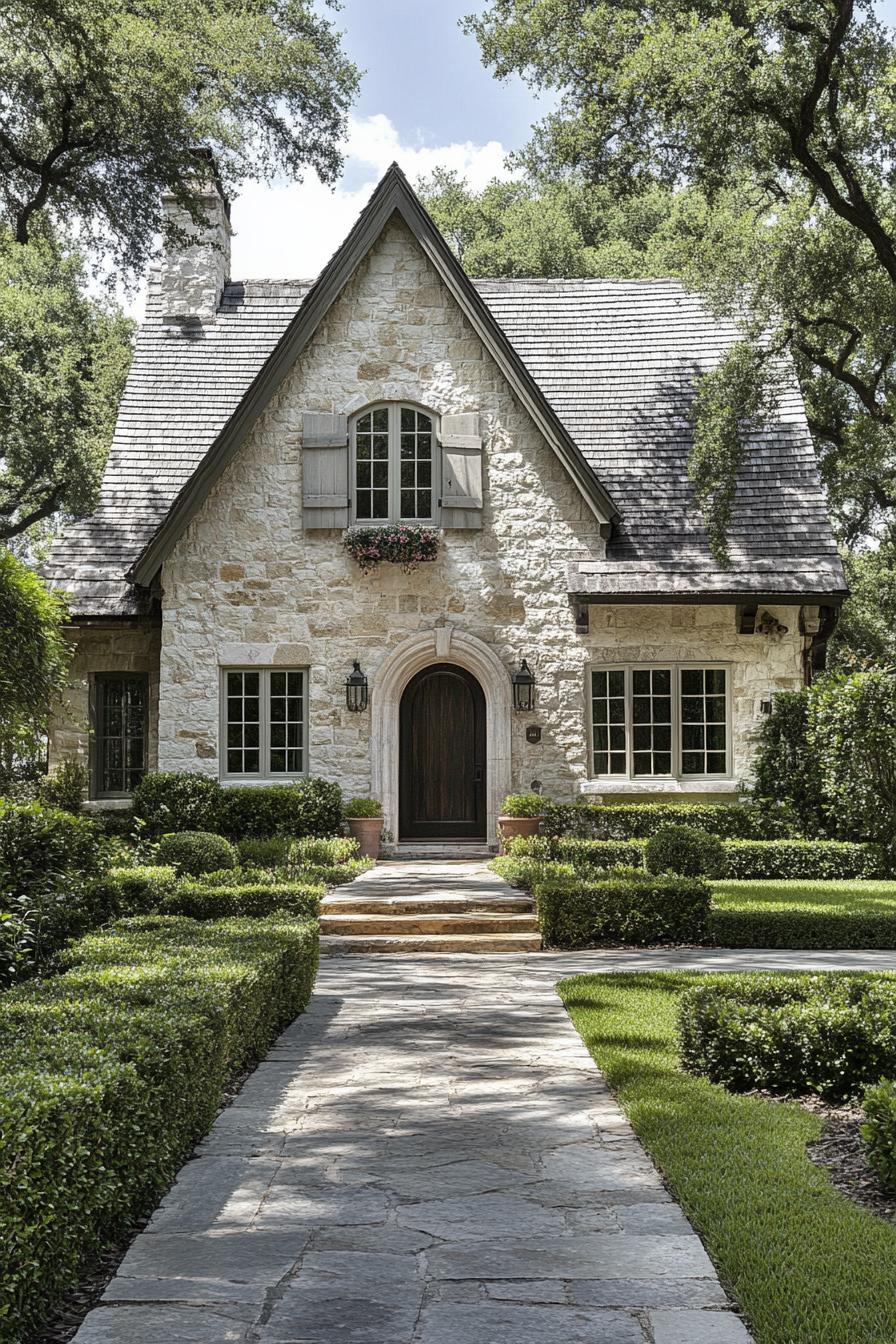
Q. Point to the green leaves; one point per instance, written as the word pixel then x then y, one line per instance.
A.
pixel 34 655
pixel 104 102
pixel 63 361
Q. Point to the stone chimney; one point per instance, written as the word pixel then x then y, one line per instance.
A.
pixel 193 274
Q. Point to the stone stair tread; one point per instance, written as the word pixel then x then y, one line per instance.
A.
pixel 364 925
pixel 340 944
pixel 403 905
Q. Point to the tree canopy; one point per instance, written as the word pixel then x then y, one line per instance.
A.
pixel 102 103
pixel 34 657
pixel 778 116
pixel 63 361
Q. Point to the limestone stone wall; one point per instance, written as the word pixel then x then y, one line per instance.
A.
pixel 192 277
pixel 246 583
pixel 126 646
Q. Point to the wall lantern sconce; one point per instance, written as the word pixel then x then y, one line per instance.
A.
pixel 356 695
pixel 523 687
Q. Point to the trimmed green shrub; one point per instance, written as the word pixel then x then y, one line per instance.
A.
pixel 41 845
pixel 638 821
pixel 362 807
pixel 625 906
pixel 833 1034
pixel 205 900
pixel 328 852
pixel 584 855
pixel 110 1072
pixel 686 850
pixel 65 787
pixel 826 859
pixel 196 852
pixel 525 871
pixel 177 800
pixel 522 805
pixel 138 891
pixel 270 853
pixel 879 1130
pixel 307 807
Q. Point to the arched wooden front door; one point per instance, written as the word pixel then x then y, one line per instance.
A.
pixel 442 756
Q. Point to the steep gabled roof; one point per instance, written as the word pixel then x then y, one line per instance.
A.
pixel 393 195
pixel 614 361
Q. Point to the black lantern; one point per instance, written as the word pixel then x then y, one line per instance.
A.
pixel 523 687
pixel 356 689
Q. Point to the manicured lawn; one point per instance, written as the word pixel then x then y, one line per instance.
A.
pixel 805 1264
pixel 808 914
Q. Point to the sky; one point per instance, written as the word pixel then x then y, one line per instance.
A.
pixel 425 100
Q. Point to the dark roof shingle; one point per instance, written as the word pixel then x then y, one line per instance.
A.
pixel 615 359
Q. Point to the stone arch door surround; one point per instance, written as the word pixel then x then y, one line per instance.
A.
pixel 444 644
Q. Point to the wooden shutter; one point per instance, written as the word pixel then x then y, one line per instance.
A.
pixel 461 471
pixel 324 470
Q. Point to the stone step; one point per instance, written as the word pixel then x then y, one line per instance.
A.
pixel 413 944
pixel 459 852
pixel 363 925
pixel 338 904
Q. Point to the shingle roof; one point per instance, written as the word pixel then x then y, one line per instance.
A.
pixel 615 359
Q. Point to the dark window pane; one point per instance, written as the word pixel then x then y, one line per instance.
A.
pixel 640 683
pixel 662 739
pixel 692 737
pixel 380 475
pixel 278 762
pixel 715 763
pixel 617 711
pixel 380 504
pixel 617 739
pixel 234 762
pixel 364 424
pixel 407 503
pixel 691 682
pixel 234 683
pixel 641 709
pixel 424 504
pixel 617 763
pixel 424 473
pixel 692 709
pixel 363 475
pixel 598 683
pixel 363 452
pixel 408 446
pixel 278 734
pixel 692 763
pixel 251 738
pixel 643 763
pixel 424 423
pixel 662 763
pixel 380 446
pixel 715 681
pixel 407 478
pixel 715 737
pixel 601 738
pixel 250 762
pixel 616 682
pixel 278 683
pixel 642 737
pixel 662 710
pixel 715 709
pixel 662 682
pixel 381 420
pixel 407 420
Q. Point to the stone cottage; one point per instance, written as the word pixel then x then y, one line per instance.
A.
pixel 541 427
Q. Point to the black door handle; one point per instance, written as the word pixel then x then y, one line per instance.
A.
pixel 477 775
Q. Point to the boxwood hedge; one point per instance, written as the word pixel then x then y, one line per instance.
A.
pixel 111 1071
pixel 205 900
pixel 638 821
pixel 879 1130
pixel 832 1034
pixel 623 906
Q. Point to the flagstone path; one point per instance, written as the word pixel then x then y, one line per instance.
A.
pixel 429 1156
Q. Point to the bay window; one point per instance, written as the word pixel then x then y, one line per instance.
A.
pixel 670 721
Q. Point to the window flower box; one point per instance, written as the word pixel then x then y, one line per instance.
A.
pixel 405 544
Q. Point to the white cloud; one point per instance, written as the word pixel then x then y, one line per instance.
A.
pixel 291 231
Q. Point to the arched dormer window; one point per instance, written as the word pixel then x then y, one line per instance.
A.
pixel 394 465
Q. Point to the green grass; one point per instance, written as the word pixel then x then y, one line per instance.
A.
pixel 809 914
pixel 805 1264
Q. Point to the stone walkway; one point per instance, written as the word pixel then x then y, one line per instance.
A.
pixel 429 1156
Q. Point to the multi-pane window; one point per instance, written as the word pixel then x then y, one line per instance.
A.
pixel 264 712
pixel 120 733
pixel 667 722
pixel 608 718
pixel 704 721
pixel 395 455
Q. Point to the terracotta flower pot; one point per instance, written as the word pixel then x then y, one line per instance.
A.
pixel 510 827
pixel 367 832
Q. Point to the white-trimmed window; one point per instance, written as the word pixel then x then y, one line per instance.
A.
pixel 394 465
pixel 670 721
pixel 264 717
